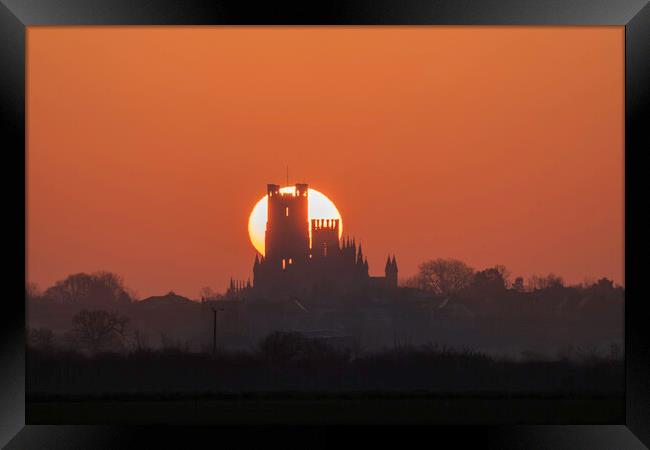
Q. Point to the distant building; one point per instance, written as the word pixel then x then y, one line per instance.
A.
pixel 293 266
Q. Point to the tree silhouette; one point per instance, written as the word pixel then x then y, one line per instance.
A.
pixel 489 282
pixel 446 277
pixel 518 284
pixel 550 281
pixel 97 288
pixel 99 330
pixel 604 284
pixel 504 272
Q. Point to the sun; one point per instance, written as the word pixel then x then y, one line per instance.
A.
pixel 320 207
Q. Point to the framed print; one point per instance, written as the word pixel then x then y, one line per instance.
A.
pixel 372 214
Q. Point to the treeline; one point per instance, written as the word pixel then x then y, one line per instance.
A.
pixel 491 293
pixel 446 302
pixel 443 277
pixel 452 278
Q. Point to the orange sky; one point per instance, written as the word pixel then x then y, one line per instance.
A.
pixel 148 146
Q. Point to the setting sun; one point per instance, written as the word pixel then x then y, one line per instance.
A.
pixel 320 207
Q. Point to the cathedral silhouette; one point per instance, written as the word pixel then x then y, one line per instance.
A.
pixel 294 266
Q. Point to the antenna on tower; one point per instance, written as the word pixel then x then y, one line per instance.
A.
pixel 287 174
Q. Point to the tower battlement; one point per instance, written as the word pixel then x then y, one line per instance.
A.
pixel 300 190
pixel 324 237
pixel 325 224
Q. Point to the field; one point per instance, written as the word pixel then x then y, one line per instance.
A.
pixel 313 384
pixel 289 408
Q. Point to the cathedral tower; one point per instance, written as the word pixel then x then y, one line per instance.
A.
pixel 287 226
pixel 320 268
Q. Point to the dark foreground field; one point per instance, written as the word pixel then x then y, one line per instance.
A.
pixel 349 408
pixel 289 379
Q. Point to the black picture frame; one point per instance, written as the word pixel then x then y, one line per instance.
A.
pixel 16 15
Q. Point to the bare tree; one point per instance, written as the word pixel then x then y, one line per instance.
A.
pixel 554 281
pixel 207 293
pixel 551 280
pixel 99 330
pixel 444 276
pixel 98 288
